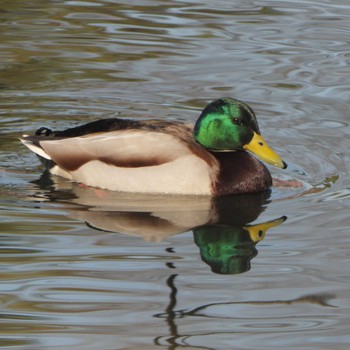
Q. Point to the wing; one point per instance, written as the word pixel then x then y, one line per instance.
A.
pixel 158 158
pixel 132 148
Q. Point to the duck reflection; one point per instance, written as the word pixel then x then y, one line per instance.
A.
pixel 221 226
pixel 229 249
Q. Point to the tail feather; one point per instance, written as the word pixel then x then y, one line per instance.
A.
pixel 28 142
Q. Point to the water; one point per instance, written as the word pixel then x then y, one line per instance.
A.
pixel 87 269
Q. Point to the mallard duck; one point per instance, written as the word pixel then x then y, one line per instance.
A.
pixel 157 156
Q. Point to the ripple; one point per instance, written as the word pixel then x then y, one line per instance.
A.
pixel 301 324
pixel 328 123
pixel 66 285
pixel 35 25
pixel 82 3
pixel 336 195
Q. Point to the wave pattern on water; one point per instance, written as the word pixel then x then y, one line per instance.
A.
pixel 70 281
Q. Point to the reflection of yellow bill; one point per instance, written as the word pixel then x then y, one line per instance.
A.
pixel 257 232
pixel 261 149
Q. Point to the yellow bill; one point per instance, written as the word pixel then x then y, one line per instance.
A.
pixel 257 232
pixel 261 149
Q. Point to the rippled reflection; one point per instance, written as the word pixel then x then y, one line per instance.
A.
pixel 65 285
pixel 232 311
pixel 221 226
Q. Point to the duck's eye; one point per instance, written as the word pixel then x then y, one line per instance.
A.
pixel 236 121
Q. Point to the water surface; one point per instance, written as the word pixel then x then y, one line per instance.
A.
pixel 87 269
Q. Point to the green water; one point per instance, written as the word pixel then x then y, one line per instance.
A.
pixel 88 269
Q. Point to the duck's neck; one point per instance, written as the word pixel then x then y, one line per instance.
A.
pixel 240 172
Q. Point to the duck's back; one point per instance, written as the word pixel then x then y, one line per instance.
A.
pixel 127 155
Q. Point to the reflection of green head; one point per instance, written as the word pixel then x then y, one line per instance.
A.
pixel 226 249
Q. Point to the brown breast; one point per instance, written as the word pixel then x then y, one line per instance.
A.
pixel 240 172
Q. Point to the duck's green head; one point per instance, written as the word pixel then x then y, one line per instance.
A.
pixel 230 125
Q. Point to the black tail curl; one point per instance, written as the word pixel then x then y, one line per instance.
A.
pixel 43 132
